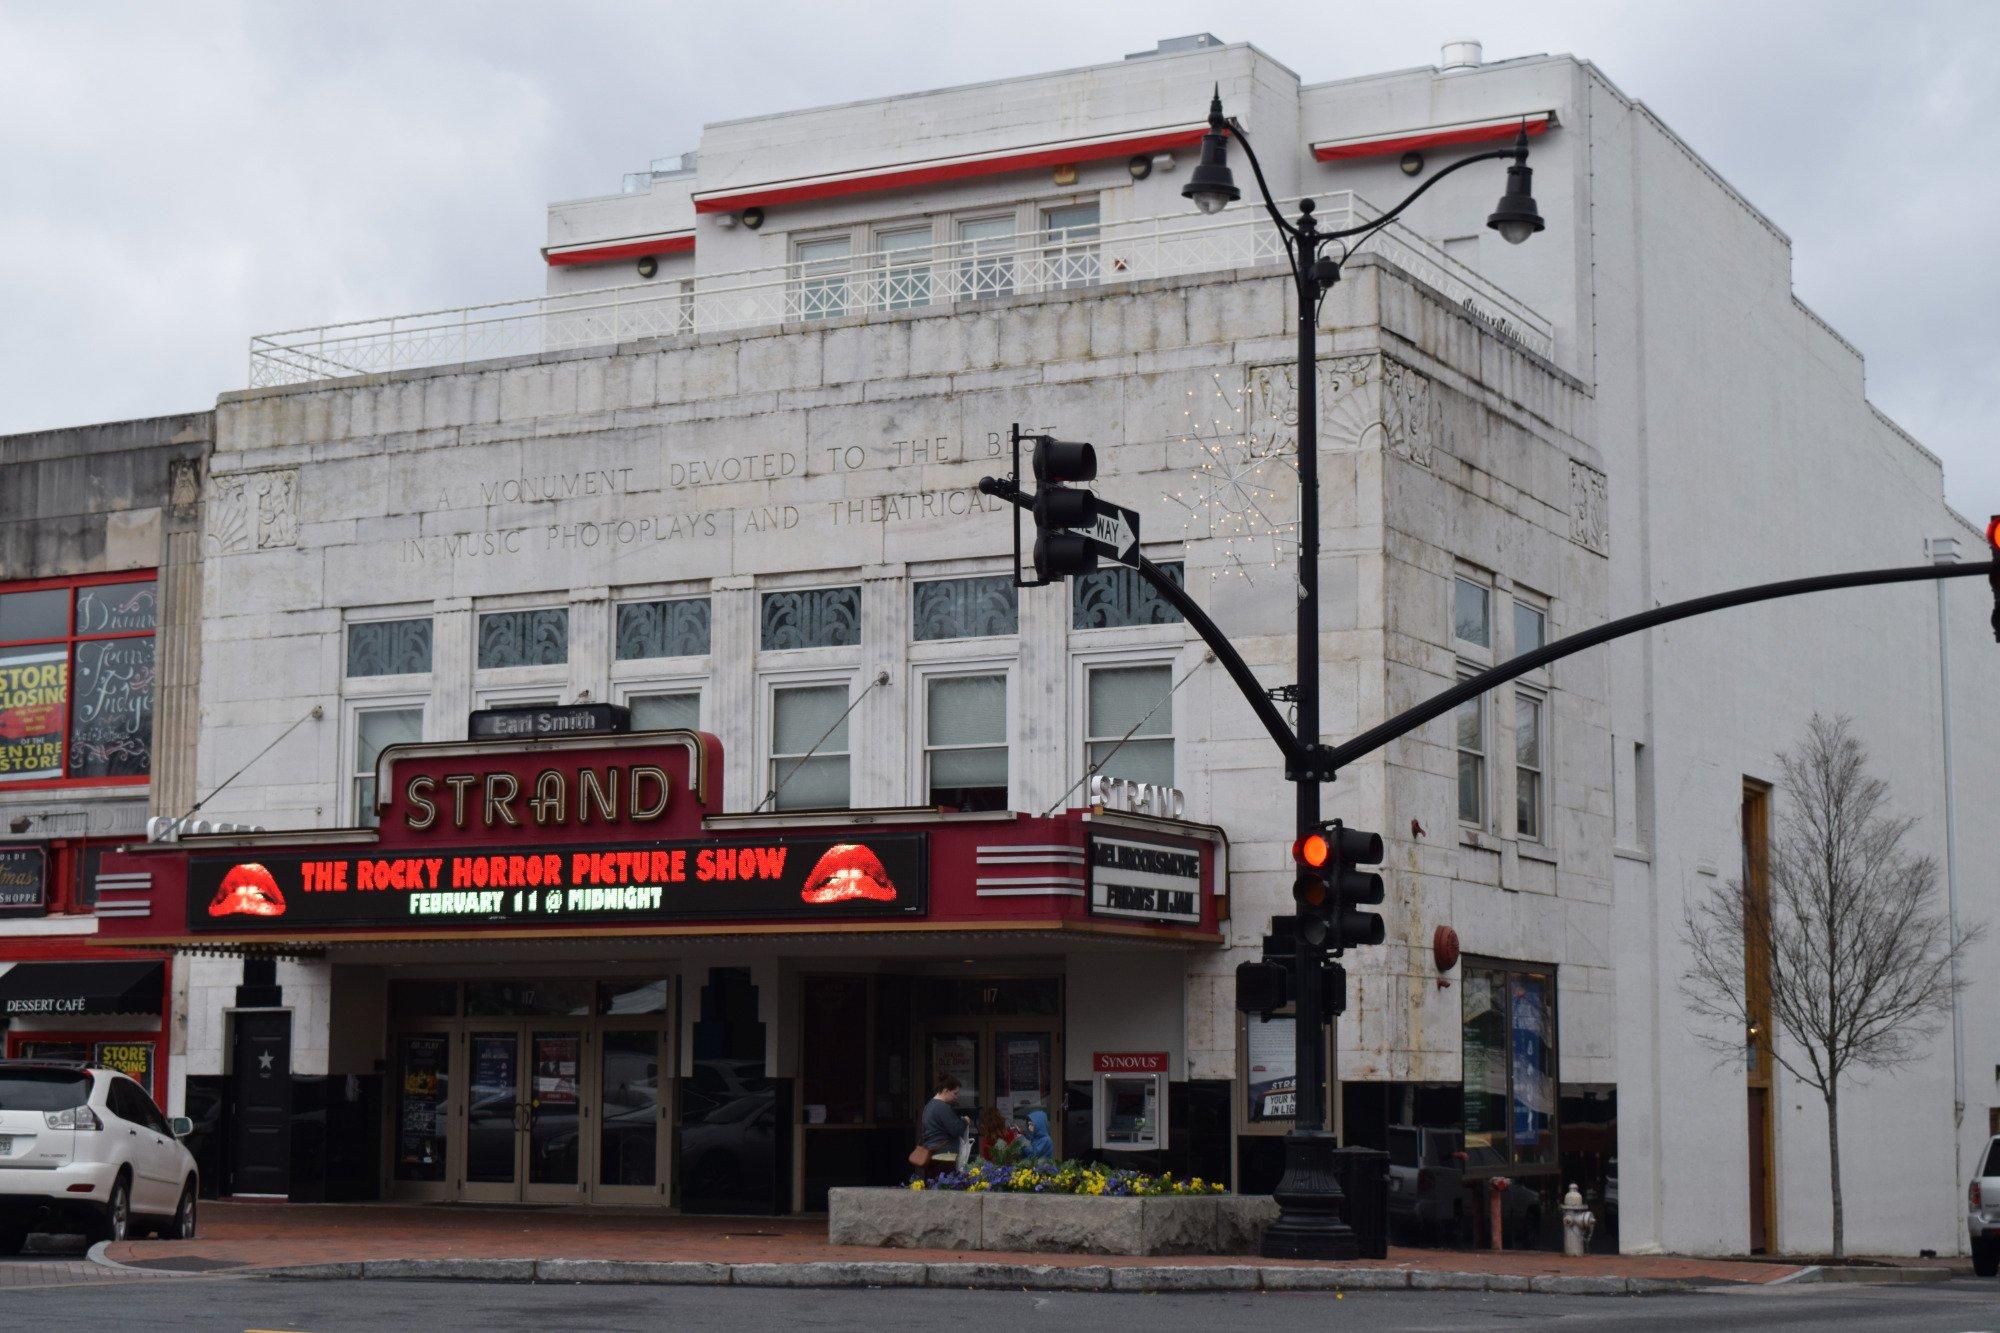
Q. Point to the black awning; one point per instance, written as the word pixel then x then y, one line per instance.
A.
pixel 30 990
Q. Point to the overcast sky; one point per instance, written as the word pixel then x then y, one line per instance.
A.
pixel 177 176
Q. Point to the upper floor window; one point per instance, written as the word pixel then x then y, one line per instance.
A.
pixel 811 618
pixel 677 628
pixel 973 608
pixel 905 278
pixel 1470 724
pixel 1116 596
pixel 1069 245
pixel 1129 726
pixel 986 257
pixel 1529 731
pixel 677 711
pixel 524 638
pixel 823 266
pixel 1471 612
pixel 965 741
pixel 76 680
pixel 809 755
pixel 375 730
pixel 389 647
pixel 1531 627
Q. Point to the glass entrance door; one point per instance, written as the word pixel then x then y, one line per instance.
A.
pixel 1008 1064
pixel 631 1116
pixel 524 1113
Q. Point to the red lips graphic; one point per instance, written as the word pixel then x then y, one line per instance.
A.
pixel 248 890
pixel 848 870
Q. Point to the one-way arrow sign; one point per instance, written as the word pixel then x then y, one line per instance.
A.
pixel 1115 533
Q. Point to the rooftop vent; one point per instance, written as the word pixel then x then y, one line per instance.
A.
pixel 1173 46
pixel 1463 53
pixel 660 168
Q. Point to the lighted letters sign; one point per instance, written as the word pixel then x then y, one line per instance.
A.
pixel 1147 881
pixel 639 883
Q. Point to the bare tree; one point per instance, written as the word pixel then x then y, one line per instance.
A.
pixel 1859 961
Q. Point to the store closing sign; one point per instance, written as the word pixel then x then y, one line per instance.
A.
pixel 131 1058
pixel 636 883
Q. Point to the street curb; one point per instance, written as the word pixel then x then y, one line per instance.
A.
pixel 1867 1276
pixel 96 1254
pixel 1157 1278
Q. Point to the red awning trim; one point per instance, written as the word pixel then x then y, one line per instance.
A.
pixel 1447 136
pixel 949 169
pixel 677 244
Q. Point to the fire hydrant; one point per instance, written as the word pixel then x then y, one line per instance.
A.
pixel 1578 1223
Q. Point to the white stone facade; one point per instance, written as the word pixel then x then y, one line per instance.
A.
pixel 1696 428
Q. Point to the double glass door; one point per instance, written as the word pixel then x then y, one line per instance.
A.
pixel 525 1114
pixel 1010 1065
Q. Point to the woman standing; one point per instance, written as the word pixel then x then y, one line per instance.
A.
pixel 939 1131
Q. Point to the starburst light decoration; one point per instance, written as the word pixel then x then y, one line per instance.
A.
pixel 1243 491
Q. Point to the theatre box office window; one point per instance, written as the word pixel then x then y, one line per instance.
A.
pixel 76 681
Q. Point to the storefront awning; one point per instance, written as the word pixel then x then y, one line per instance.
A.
pixel 36 989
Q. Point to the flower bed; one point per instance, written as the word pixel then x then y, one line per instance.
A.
pixel 1070 1177
pixel 1104 1215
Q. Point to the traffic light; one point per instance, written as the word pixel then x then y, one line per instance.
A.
pixel 1262 987
pixel 1312 884
pixel 1059 508
pixel 1354 887
pixel 1993 574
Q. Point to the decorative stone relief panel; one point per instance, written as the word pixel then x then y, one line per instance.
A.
pixel 183 486
pixel 253 511
pixel 1589 509
pixel 1412 415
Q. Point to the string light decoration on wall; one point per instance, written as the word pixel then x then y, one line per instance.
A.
pixel 1243 491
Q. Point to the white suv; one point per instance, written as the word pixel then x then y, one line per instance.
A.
pixel 1982 1213
pixel 84 1149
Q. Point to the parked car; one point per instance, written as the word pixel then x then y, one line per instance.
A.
pixel 85 1149
pixel 1982 1212
pixel 1426 1171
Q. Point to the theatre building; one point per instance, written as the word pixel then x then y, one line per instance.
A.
pixel 872 811
pixel 557 971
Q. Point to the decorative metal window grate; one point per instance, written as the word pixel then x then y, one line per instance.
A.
pixel 677 628
pixel 524 638
pixel 389 647
pixel 965 608
pixel 1118 597
pixel 812 618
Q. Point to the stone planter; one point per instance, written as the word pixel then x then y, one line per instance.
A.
pixel 1047 1223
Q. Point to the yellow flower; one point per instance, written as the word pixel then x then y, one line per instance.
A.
pixel 916 1184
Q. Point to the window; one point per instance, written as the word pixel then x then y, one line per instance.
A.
pixel 1531 627
pixel 1471 621
pixel 1528 709
pixel 809 758
pixel 964 608
pixel 524 638
pixel 986 258
pixel 375 730
pixel 822 267
pixel 76 682
pixel 389 648
pixel 1471 723
pixel 665 712
pixel 906 267
pixel 811 618
pixel 1118 597
pixel 663 629
pixel 965 741
pixel 1069 245
pixel 1135 700
pixel 1509 1043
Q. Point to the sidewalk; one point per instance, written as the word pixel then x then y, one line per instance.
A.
pixel 579 1244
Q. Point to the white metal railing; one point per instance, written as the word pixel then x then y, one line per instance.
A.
pixel 823 287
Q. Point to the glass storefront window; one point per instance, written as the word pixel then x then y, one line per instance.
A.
pixel 631 997
pixel 1509 1045
pixel 629 1109
pixel 423 999
pixel 835 1084
pixel 423 1085
pixel 76 682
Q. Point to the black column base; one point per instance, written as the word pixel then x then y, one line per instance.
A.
pixel 1312 1221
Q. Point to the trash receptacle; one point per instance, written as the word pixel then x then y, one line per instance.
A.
pixel 1363 1174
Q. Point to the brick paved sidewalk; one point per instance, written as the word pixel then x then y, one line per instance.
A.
pixel 272 1235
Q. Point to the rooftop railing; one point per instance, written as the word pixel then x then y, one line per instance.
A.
pixel 819 286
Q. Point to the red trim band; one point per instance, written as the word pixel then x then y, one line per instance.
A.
pixel 605 254
pixel 1448 138
pixel 903 178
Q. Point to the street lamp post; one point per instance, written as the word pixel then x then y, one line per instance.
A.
pixel 1312 1224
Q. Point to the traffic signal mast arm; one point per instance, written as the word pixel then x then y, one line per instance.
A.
pixel 1218 642
pixel 1339 756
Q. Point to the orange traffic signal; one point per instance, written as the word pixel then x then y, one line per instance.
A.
pixel 1314 850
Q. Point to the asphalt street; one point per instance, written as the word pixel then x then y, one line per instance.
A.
pixel 310 1307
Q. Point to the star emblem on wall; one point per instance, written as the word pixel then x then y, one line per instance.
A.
pixel 1243 490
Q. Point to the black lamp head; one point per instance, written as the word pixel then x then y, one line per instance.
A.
pixel 1211 186
pixel 1517 218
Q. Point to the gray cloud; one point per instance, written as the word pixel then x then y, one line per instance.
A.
pixel 174 178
